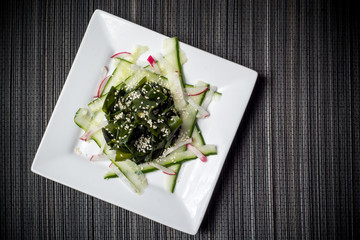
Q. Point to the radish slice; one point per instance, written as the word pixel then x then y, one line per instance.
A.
pixel 99 157
pixel 208 97
pixel 154 65
pixel 101 87
pixel 202 113
pixel 87 135
pixel 121 54
pixel 165 170
pixel 102 79
pixel 176 146
pixel 196 151
pixel 196 90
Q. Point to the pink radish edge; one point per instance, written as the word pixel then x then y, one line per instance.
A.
pixel 120 53
pixel 151 60
pixel 102 84
pixel 176 146
pixel 202 112
pixel 196 151
pixel 99 157
pixel 198 93
pixel 153 64
pixel 85 137
pixel 162 168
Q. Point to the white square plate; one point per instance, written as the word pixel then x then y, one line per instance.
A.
pixel 57 160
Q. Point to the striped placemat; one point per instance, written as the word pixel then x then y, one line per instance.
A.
pixel 293 168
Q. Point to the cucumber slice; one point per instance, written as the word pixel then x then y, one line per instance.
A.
pixel 129 83
pixel 189 115
pixel 110 174
pixel 127 75
pixel 121 72
pixel 128 168
pixel 132 172
pixel 123 69
pixel 82 118
pixel 137 52
pixel 174 158
pixel 198 139
pixel 179 157
pixel 97 104
pixel 173 56
pixel 170 181
pixel 85 121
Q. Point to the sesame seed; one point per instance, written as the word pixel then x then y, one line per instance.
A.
pixel 142 144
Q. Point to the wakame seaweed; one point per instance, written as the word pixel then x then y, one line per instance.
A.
pixel 142 121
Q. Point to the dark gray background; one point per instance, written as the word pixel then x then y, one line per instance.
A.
pixel 293 168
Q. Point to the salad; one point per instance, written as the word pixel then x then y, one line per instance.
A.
pixel 144 118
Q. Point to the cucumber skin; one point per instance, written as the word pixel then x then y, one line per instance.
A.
pixel 194 125
pixel 199 139
pixel 77 118
pixel 152 169
pixel 118 71
pixel 171 180
pixel 179 63
pixel 138 181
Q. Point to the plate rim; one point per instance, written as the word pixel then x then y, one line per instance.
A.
pixel 36 170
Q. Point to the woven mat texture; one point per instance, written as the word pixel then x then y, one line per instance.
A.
pixel 293 168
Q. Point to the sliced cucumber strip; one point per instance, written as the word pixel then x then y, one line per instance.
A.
pixel 129 83
pixel 127 75
pixel 121 72
pixel 198 139
pixel 110 174
pixel 179 157
pixel 132 172
pixel 85 121
pixel 137 52
pixel 173 56
pixel 82 118
pixel 174 158
pixel 170 181
pixel 188 116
